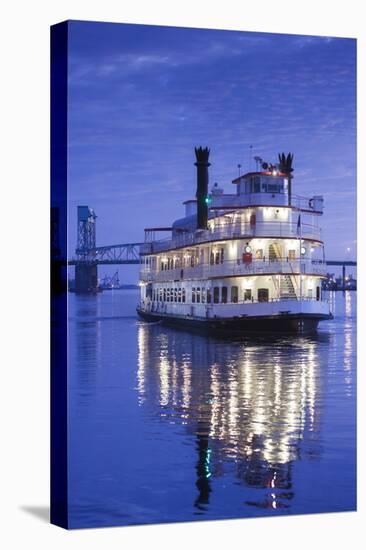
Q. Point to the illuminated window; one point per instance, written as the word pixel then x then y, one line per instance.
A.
pixel 234 294
pixel 203 295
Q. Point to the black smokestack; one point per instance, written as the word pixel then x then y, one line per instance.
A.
pixel 202 185
pixel 286 167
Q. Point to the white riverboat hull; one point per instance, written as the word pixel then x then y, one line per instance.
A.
pixel 282 316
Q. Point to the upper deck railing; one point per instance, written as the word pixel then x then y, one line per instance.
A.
pixel 234 201
pixel 238 230
pixel 232 268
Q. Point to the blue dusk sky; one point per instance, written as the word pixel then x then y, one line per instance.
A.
pixel 142 97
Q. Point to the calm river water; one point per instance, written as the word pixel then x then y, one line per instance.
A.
pixel 170 426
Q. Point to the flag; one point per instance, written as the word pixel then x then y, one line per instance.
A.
pixel 299 225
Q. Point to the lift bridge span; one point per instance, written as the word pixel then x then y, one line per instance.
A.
pixel 89 256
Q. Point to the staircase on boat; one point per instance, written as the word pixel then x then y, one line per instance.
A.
pixel 286 286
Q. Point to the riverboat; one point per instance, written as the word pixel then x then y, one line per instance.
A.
pixel 248 261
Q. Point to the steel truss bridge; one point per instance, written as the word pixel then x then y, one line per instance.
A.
pixel 116 254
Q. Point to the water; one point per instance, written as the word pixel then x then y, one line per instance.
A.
pixel 169 426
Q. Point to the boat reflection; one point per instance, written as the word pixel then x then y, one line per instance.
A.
pixel 251 405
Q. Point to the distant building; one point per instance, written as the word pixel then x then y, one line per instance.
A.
pixel 336 283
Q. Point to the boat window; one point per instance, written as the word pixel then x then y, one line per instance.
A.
pixel 234 294
pixel 216 293
pixel 175 294
pixel 224 295
pixel 292 254
pixel 217 258
pixel 256 186
pixel 168 294
pixel 222 255
pixel 198 295
pixel 259 254
pixel 164 295
pixel 318 295
pixel 183 295
pixel 193 295
pixel 264 187
pixel 247 294
pixel 203 295
pixel 212 258
pixel 263 294
pixel 208 295
pixel 179 294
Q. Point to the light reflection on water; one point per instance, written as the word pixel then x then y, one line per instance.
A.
pixel 248 403
pixel 239 428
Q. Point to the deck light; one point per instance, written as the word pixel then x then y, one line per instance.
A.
pixel 303 250
pixel 248 249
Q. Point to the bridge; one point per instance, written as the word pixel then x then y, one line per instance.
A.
pixel 115 254
pixel 89 256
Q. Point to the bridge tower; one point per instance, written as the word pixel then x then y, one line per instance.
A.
pixel 86 271
pixel 86 237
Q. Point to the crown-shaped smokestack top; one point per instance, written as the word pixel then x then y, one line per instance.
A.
pixel 202 155
pixel 286 163
pixel 202 164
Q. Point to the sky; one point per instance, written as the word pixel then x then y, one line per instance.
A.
pixel 142 97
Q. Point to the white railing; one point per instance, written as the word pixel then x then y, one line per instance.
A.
pixel 232 231
pixel 232 268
